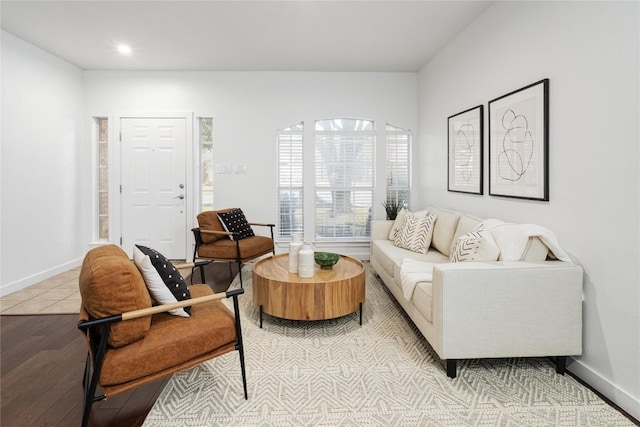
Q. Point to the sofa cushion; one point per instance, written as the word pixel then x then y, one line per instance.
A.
pixel 390 256
pixel 172 340
pixel 466 223
pixel 423 299
pixel 445 226
pixel 164 281
pixel 415 234
pixel 235 222
pixel 476 245
pixel 111 284
pixel 209 221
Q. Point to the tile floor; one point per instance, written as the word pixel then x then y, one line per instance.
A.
pixel 57 295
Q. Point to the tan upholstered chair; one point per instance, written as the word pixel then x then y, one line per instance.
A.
pixel 213 242
pixel 132 343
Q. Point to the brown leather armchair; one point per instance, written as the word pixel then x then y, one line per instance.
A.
pixel 214 243
pixel 131 343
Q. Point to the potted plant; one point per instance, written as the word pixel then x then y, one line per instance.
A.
pixel 393 207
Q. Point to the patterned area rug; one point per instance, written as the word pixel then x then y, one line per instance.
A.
pixel 382 373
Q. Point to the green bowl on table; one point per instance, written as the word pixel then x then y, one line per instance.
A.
pixel 326 260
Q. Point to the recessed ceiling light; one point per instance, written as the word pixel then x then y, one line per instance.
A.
pixel 124 49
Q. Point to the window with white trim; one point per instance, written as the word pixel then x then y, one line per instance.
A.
pixel 398 149
pixel 344 178
pixel 290 181
pixel 102 125
pixel 205 139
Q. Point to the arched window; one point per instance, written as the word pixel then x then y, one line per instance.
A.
pixel 344 178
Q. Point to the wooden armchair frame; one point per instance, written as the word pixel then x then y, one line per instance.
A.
pixel 97 331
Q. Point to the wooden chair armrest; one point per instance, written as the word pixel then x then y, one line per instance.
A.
pixel 223 233
pixel 129 315
pixel 263 224
pixel 180 265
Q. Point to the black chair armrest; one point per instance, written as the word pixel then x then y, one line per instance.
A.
pixel 129 315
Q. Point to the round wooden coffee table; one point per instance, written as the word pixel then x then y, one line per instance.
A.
pixel 327 295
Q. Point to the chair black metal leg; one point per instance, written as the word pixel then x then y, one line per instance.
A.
pixel 261 317
pixel 91 379
pixel 85 375
pixel 202 274
pixel 240 272
pixel 360 314
pixel 240 345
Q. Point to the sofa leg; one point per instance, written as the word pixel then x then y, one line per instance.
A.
pixel 561 364
pixel 451 368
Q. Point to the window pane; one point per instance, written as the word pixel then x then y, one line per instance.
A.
pixel 398 164
pixel 103 178
pixel 290 204
pixel 337 125
pixel 206 162
pixel 344 178
pixel 290 181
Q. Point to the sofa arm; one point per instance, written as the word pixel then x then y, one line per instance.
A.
pixel 507 309
pixel 380 229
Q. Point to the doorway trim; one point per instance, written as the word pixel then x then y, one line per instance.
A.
pixel 115 171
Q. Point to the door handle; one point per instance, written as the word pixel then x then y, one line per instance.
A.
pixel 181 197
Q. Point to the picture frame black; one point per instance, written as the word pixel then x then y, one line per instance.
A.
pixel 465 136
pixel 519 143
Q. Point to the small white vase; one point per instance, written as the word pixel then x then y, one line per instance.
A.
pixel 294 247
pixel 306 261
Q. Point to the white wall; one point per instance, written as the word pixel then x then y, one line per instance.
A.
pixel 249 107
pixel 43 232
pixel 589 51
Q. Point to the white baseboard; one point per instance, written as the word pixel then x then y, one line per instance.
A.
pixel 611 391
pixel 35 278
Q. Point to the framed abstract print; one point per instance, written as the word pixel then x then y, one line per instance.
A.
pixel 519 143
pixel 465 135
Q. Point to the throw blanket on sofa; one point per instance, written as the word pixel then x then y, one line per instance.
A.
pixel 512 239
pixel 411 273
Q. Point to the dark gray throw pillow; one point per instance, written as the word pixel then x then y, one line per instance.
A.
pixel 235 222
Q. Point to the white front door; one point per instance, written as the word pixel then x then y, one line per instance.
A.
pixel 153 185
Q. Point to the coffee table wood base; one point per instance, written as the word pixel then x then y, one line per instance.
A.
pixel 329 294
pixel 261 312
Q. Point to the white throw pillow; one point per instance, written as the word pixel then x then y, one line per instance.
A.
pixel 415 233
pixel 157 287
pixel 397 224
pixel 476 245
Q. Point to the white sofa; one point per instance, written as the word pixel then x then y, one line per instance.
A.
pixel 526 308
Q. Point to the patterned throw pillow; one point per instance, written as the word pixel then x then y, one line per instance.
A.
pixel 235 222
pixel 415 233
pixel 397 224
pixel 164 281
pixel 476 245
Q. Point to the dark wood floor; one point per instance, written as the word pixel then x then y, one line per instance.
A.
pixel 41 366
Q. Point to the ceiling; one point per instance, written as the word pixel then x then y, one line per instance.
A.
pixel 392 36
